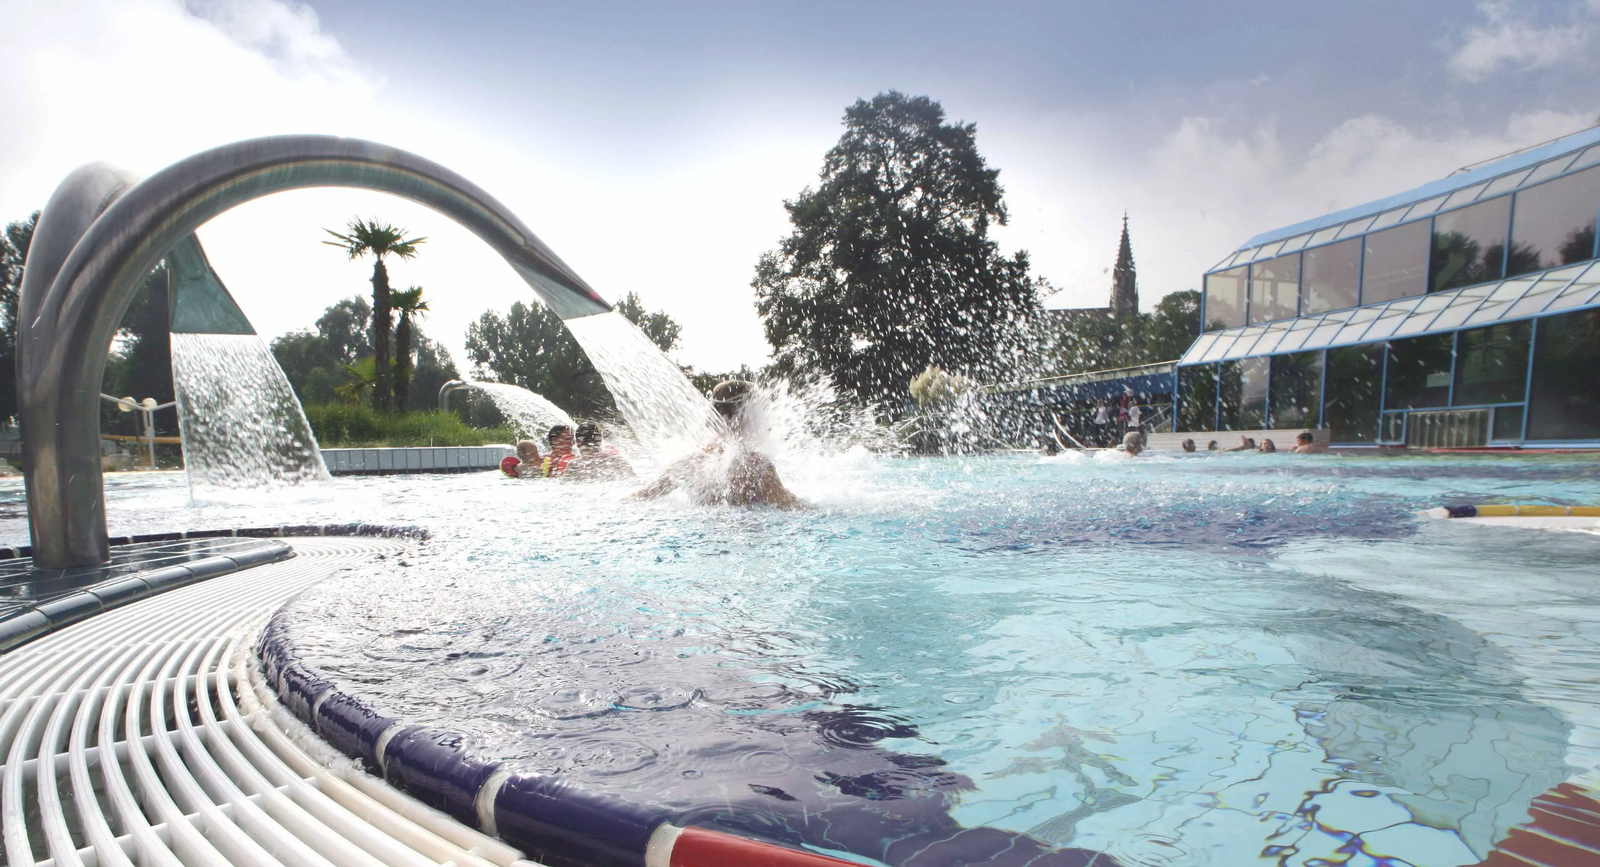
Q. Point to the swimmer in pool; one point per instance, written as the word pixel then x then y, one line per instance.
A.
pixel 728 471
pixel 596 459
pixel 529 466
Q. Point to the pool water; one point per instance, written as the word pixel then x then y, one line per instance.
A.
pixel 1224 659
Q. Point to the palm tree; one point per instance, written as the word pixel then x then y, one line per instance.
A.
pixel 379 240
pixel 408 304
pixel 359 379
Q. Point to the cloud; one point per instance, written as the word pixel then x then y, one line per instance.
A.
pixel 289 34
pixel 1509 39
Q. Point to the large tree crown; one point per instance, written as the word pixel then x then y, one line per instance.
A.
pixel 897 152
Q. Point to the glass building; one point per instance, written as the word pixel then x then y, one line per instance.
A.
pixel 1465 312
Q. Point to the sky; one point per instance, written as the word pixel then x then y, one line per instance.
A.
pixel 652 146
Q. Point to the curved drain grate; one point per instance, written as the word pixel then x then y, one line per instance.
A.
pixel 144 735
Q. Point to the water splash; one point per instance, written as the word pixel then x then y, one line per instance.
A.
pixel 242 426
pixel 668 417
pixel 531 415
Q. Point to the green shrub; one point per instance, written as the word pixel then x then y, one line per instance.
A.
pixel 339 425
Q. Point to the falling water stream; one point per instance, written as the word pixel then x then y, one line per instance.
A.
pixel 528 413
pixel 241 424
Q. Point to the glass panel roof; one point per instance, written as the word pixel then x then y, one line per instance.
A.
pixel 1389 218
pixel 1299 330
pixel 1423 316
pixel 1267 251
pixel 1355 227
pixel 1224 341
pixel 1330 325
pixel 1466 301
pixel 1570 287
pixel 1390 318
pixel 1589 158
pixel 1579 293
pixel 1462 197
pixel 1422 209
pixel 1199 348
pixel 1247 341
pixel 1271 339
pixel 1324 235
pixel 1359 322
pixel 1551 168
pixel 1295 243
pixel 1494 307
pixel 1543 291
pixel 1506 182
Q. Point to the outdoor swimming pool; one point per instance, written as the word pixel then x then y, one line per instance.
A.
pixel 1227 659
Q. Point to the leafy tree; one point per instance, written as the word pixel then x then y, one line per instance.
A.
pixel 1173 326
pixel 532 348
pixel 14 244
pixel 408 304
pixel 1081 341
pixel 890 267
pixel 315 361
pixel 378 241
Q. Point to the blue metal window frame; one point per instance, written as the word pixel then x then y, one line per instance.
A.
pixel 1255 252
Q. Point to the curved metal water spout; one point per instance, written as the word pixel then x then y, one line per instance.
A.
pixel 73 302
pixel 444 392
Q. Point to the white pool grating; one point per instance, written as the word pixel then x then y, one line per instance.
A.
pixel 217 773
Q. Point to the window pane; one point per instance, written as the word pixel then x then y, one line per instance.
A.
pixel 1507 423
pixel 1295 243
pixel 1461 197
pixel 1565 403
pixel 1299 330
pixel 1354 376
pixel 1330 277
pixel 1355 227
pixel 1422 209
pixel 1422 317
pixel 1494 307
pixel 1389 218
pixel 1197 349
pixel 1269 250
pixel 1543 291
pixel 1555 223
pixel 1589 158
pixel 1274 288
pixel 1296 390
pixel 1492 364
pixel 1419 372
pixel 1396 265
pixel 1550 168
pixel 1243 393
pixel 1469 245
pixel 1578 292
pixel 1225 299
pixel 1197 393
pixel 1506 182
pixel 1390 319
pixel 1323 236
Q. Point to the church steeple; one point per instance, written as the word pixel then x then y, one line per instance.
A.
pixel 1124 277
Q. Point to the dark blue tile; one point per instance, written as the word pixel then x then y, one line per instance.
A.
pixel 436 768
pixel 557 824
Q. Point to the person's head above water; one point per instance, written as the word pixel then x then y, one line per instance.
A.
pixel 528 451
pixel 1267 446
pixel 730 397
pixel 588 434
pixel 1188 445
pixel 1304 438
pixel 1133 443
pixel 560 438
